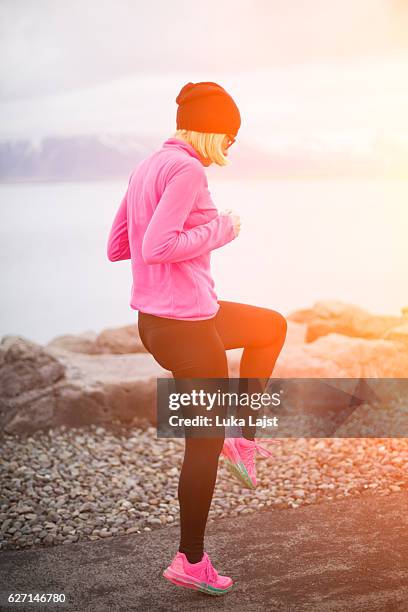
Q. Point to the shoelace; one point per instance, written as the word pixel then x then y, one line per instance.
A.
pixel 250 450
pixel 264 452
pixel 210 571
pixel 248 453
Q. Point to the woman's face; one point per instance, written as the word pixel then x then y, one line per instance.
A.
pixel 227 142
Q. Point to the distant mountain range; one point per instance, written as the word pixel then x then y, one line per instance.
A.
pixel 82 158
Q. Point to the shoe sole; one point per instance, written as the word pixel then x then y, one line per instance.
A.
pixel 179 580
pixel 239 471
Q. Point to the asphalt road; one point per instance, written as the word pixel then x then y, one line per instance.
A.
pixel 345 556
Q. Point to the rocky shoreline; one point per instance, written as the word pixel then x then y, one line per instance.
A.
pixel 79 454
pixel 98 378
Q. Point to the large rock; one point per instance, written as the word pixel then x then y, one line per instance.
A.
pixel 116 340
pixel 335 356
pixel 46 387
pixel 76 343
pixel 328 317
pixel 399 333
pixel 25 366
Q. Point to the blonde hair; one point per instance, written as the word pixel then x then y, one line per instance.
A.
pixel 208 145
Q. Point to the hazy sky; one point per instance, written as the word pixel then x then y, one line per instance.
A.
pixel 320 72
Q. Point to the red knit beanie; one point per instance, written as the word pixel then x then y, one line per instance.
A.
pixel 207 107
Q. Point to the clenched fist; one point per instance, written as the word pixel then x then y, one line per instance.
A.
pixel 236 220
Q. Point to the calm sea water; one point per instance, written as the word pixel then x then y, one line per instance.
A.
pixel 301 241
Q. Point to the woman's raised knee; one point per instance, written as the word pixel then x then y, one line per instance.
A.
pixel 277 327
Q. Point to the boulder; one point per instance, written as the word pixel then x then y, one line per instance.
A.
pixel 25 366
pixel 399 334
pixel 328 317
pixel 120 340
pixel 43 387
pixel 336 355
pixel 117 340
pixel 76 343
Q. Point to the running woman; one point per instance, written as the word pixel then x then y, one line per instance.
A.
pixel 167 224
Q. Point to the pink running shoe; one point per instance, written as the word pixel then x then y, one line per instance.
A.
pixel 200 576
pixel 239 455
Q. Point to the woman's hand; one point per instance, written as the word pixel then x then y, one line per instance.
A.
pixel 236 221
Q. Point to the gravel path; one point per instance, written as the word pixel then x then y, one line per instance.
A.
pixel 90 483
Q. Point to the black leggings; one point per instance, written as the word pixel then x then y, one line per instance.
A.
pixel 197 349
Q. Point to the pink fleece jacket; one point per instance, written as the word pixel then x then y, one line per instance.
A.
pixel 168 225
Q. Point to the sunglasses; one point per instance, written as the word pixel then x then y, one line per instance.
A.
pixel 231 141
